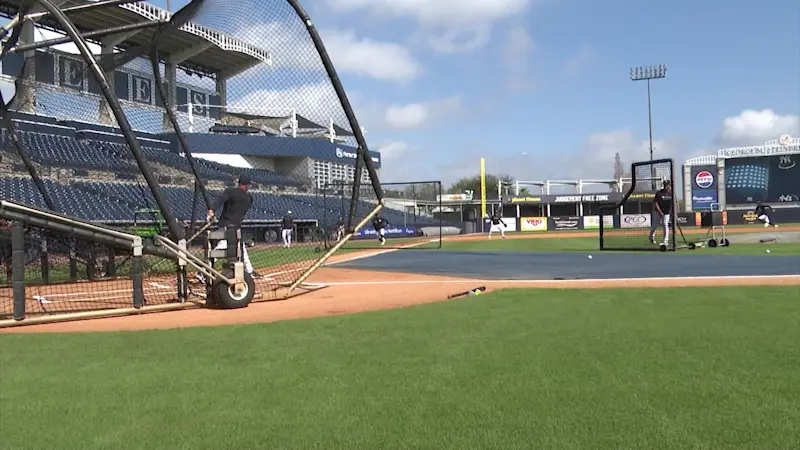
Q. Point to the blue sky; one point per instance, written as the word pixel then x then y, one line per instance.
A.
pixel 564 96
pixel 539 88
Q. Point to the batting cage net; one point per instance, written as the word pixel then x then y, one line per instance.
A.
pixel 143 125
pixel 640 226
pixel 407 219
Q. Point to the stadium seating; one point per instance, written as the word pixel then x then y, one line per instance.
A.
pixel 52 145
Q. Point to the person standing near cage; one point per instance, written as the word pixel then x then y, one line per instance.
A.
pixel 662 212
pixel 496 221
pixel 380 223
pixel 235 202
pixel 287 227
pixel 340 229
pixel 761 214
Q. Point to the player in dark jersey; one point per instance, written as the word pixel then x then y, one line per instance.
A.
pixel 762 211
pixel 380 223
pixel 235 203
pixel 662 212
pixel 287 227
pixel 496 221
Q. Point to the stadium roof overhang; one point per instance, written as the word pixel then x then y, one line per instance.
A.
pixel 194 47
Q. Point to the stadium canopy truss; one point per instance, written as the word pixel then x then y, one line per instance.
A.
pixel 122 75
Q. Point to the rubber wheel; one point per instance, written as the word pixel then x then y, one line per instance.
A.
pixel 692 246
pixel 712 243
pixel 226 298
pixel 663 248
pixel 726 243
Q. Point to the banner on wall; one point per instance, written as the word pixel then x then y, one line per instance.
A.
pixel 510 222
pixel 390 232
pixel 635 221
pixel 591 222
pixel 533 224
pixel 563 223
pixel 702 199
pixel 608 221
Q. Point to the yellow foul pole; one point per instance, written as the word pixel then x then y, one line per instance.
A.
pixel 483 192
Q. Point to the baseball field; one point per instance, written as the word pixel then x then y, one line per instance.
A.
pixel 625 350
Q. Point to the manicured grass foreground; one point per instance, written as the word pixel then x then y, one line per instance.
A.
pixel 601 369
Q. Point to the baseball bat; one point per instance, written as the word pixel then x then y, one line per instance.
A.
pixel 461 294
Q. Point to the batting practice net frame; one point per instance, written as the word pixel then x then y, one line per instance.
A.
pixel 123 230
pixel 408 208
pixel 633 234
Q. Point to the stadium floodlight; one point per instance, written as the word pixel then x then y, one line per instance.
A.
pixel 647 73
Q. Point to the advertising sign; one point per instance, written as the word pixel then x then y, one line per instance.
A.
pixel 563 223
pixel 635 221
pixel 591 222
pixel 533 224
pixel 703 198
pixel 511 223
pixel 391 231
pixel 612 197
pixel 608 221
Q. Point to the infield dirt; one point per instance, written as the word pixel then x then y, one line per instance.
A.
pixel 351 291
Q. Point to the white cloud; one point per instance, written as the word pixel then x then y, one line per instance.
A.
pixel 517 56
pixel 438 12
pixel 417 115
pixel 449 26
pixel 753 127
pixel 384 61
pixel 394 150
pixel 292 48
pixel 315 101
pixel 578 62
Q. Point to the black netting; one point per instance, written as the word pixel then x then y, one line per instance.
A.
pixel 185 105
pixel 640 227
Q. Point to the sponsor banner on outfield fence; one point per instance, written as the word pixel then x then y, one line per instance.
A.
pixel 635 221
pixel 390 232
pixel 591 222
pixel 511 223
pixel 533 224
pixel 563 223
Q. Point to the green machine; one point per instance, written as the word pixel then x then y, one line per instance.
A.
pixel 147 223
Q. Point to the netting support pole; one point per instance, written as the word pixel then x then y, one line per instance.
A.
pixel 136 274
pixel 116 108
pixel 363 150
pixel 333 250
pixel 18 268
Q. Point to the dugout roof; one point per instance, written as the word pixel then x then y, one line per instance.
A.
pixel 194 47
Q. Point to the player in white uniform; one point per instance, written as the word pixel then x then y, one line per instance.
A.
pixel 496 226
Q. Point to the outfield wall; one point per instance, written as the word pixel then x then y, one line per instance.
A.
pixel 685 219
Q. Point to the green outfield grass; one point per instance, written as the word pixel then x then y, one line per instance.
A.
pixel 581 244
pixel 704 368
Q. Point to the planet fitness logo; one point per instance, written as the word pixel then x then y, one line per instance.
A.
pixel 704 179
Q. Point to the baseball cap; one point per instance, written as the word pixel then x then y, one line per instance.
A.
pixel 244 180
